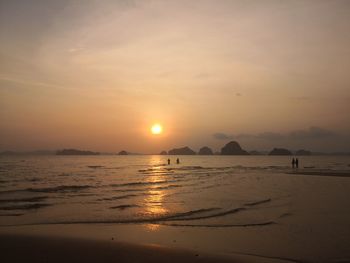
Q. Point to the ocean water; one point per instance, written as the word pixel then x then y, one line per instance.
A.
pixel 201 191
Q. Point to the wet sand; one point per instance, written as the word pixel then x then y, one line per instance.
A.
pixel 23 248
pixel 35 244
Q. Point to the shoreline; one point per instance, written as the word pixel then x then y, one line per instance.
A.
pixel 325 173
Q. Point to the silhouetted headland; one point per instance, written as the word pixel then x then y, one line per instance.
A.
pixel 163 153
pixel 182 151
pixel 75 152
pixel 280 151
pixel 233 148
pixel 123 153
pixel 205 151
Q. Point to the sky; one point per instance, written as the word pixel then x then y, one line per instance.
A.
pixel 97 74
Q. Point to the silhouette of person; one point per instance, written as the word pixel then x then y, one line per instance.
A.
pixel 293 163
pixel 168 161
pixel 177 160
pixel 296 163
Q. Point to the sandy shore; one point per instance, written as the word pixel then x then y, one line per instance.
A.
pixel 35 244
pixel 23 248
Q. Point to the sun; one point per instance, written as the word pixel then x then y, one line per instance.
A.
pixel 156 129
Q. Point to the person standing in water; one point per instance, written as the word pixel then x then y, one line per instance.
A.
pixel 293 163
pixel 296 163
pixel 168 161
pixel 177 160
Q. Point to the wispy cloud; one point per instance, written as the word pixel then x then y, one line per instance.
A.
pixel 29 82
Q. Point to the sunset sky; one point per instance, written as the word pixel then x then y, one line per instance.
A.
pixel 97 75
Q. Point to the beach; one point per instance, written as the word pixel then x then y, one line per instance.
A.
pixel 29 248
pixel 206 209
pixel 63 243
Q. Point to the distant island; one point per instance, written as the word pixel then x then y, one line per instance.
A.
pixel 75 152
pixel 233 148
pixel 280 151
pixel 205 151
pixel 182 151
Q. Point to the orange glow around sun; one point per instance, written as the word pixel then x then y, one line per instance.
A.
pixel 156 129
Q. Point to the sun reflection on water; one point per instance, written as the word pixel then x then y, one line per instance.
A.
pixel 154 201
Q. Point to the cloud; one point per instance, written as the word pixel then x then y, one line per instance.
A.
pixel 222 136
pixel 311 133
pixel 243 136
pixel 270 136
pixel 24 83
pixel 261 136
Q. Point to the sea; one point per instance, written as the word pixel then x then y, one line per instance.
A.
pixel 262 195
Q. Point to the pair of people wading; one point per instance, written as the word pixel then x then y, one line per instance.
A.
pixel 177 161
pixel 295 163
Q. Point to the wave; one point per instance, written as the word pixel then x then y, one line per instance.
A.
pixel 194 167
pixel 224 213
pixel 160 173
pixel 14 214
pixel 56 189
pixel 182 216
pixel 167 187
pixel 277 258
pixel 142 183
pixel 80 194
pixel 156 170
pixel 64 174
pixel 116 197
pixel 129 190
pixel 21 200
pixel 258 202
pixel 267 223
pixel 114 168
pixel 326 172
pixel 170 169
pixel 61 188
pixel 285 215
pixel 189 213
pixel 24 207
pixel 33 179
pixel 95 166
pixel 122 207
